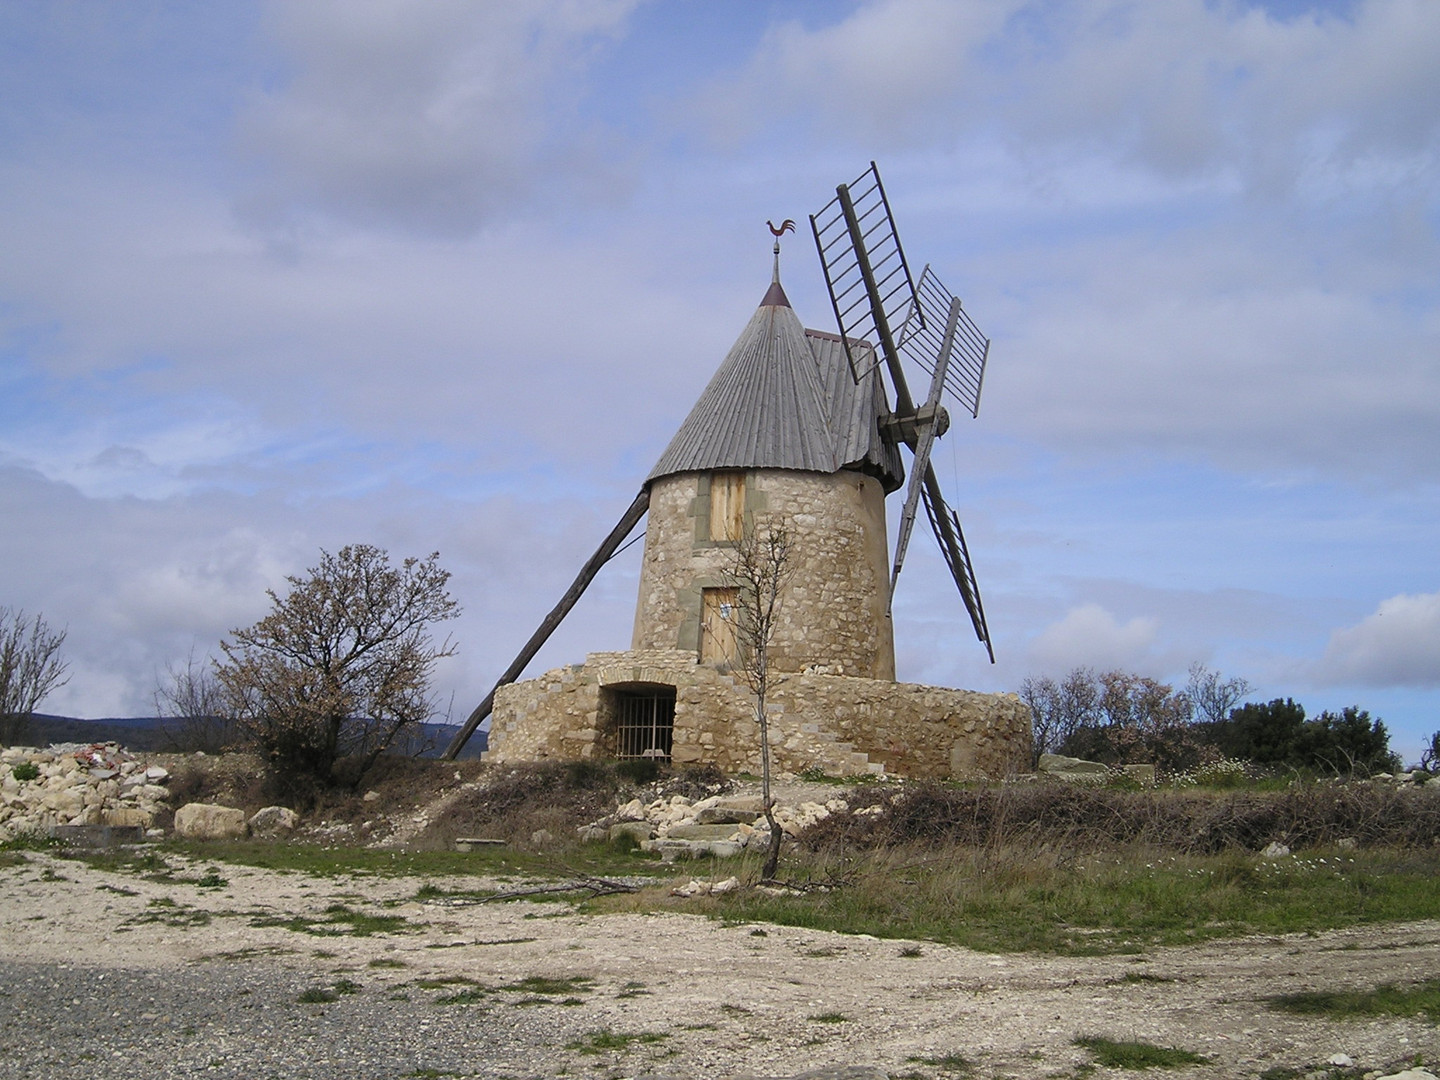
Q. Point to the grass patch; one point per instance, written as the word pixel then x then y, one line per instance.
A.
pixel 339 920
pixel 439 982
pixel 387 962
pixel 322 995
pixel 955 1063
pixel 1391 999
pixel 326 861
pixel 32 841
pixel 1320 1072
pixel 830 1018
pixel 166 912
pixel 248 953
pixel 1121 901
pixel 1137 1055
pixel 539 984
pixel 606 1041
pixel 633 990
pixel 471 995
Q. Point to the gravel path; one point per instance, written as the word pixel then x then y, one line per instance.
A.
pixel 116 975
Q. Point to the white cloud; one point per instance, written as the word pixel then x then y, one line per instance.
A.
pixel 1183 88
pixel 430 116
pixel 1399 645
pixel 1090 636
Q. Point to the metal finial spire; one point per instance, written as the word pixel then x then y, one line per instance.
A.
pixel 788 225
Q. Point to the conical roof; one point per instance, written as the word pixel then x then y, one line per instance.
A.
pixel 779 401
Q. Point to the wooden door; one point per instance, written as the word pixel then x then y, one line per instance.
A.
pixel 718 615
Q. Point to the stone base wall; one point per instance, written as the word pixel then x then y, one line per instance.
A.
pixel 843 726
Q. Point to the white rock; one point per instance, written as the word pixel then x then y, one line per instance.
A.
pixel 1343 1060
pixel 273 821
pixel 156 773
pixel 206 821
pixel 1275 850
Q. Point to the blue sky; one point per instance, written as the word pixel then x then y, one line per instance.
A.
pixel 447 276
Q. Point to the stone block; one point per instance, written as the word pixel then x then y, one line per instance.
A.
pixel 1058 763
pixel 751 804
pixel 127 816
pixel 207 821
pixel 719 815
pixel 640 830
pixel 702 832
pixel 273 821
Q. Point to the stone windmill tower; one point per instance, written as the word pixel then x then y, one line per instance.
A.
pixel 794 429
pixel 781 433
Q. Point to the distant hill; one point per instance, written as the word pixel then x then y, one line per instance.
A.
pixel 156 733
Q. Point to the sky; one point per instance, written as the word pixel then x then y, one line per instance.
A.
pixel 277 278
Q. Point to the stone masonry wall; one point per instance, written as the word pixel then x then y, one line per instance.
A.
pixel 841 725
pixel 833 616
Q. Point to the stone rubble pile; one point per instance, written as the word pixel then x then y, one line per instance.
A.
pixel 72 784
pixel 719 825
pixel 1415 777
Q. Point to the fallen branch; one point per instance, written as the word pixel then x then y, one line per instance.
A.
pixel 593 885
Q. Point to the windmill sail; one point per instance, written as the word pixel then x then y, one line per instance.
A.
pixel 928 334
pixel 946 525
pixel 865 269
pixel 873 293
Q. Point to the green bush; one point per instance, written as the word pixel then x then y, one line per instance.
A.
pixel 1277 735
pixel 25 770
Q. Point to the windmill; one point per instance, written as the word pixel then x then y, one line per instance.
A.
pixel 872 291
pixel 787 402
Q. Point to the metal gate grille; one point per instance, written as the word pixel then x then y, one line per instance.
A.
pixel 644 724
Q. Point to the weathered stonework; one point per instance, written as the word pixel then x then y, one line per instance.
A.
pixel 839 724
pixel 834 616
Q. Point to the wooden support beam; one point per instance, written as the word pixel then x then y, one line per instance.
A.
pixel 587 574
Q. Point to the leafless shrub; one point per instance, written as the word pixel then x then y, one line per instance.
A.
pixel 30 667
pixel 514 801
pixel 1092 818
pixel 192 703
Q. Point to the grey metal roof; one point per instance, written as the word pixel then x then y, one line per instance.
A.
pixel 784 398
pixel 856 408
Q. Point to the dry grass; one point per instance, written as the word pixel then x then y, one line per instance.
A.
pixel 513 802
pixel 1053 816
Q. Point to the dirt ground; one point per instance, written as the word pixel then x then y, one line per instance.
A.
pixel 732 999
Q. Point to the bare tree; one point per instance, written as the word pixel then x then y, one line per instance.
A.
pixel 194 702
pixel 759 573
pixel 30 667
pixel 1058 709
pixel 1430 755
pixel 1140 703
pixel 1212 696
pixel 341 666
